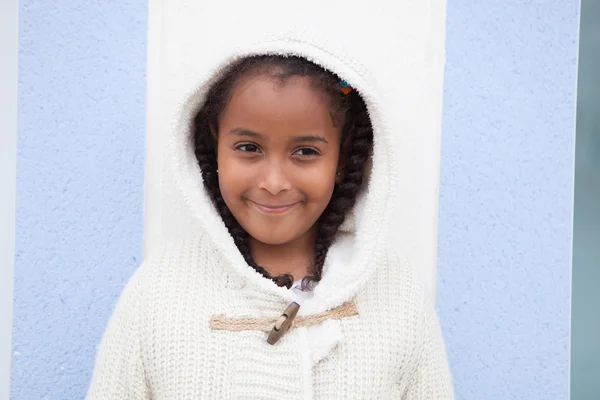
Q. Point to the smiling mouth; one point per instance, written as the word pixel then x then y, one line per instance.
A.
pixel 273 209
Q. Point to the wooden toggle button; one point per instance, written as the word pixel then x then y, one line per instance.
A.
pixel 283 323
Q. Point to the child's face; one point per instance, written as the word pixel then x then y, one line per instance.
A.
pixel 277 154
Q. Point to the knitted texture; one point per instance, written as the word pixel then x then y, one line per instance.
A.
pixel 159 344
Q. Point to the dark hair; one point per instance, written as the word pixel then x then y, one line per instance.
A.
pixel 357 138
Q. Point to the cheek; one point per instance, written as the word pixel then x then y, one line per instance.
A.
pixel 318 183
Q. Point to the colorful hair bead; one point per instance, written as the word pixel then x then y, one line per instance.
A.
pixel 345 87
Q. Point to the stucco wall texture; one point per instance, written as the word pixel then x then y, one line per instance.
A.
pixel 505 202
pixel 80 171
pixel 506 196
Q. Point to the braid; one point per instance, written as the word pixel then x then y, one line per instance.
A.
pixel 357 137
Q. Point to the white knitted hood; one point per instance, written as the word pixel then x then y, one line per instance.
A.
pixel 397 118
pixel 370 217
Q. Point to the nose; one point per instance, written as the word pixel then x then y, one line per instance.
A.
pixel 274 178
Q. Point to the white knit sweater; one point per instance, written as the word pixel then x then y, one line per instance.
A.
pixel 159 343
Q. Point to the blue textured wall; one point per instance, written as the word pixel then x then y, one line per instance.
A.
pixel 507 196
pixel 505 210
pixel 80 169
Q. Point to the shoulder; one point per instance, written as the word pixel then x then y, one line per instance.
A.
pixel 396 295
pixel 402 276
pixel 413 280
pixel 187 256
pixel 188 264
pixel 181 279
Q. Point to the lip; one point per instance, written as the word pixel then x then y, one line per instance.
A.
pixel 273 209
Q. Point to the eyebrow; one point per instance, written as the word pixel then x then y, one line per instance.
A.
pixel 303 138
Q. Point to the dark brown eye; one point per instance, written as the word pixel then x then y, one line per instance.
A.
pixel 248 148
pixel 306 152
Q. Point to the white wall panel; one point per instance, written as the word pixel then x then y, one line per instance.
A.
pixel 181 32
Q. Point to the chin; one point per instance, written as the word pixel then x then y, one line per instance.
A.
pixel 271 239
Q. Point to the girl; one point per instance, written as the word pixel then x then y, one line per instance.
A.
pixel 287 292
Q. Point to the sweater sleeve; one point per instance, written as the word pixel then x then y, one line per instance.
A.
pixel 119 370
pixel 432 379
